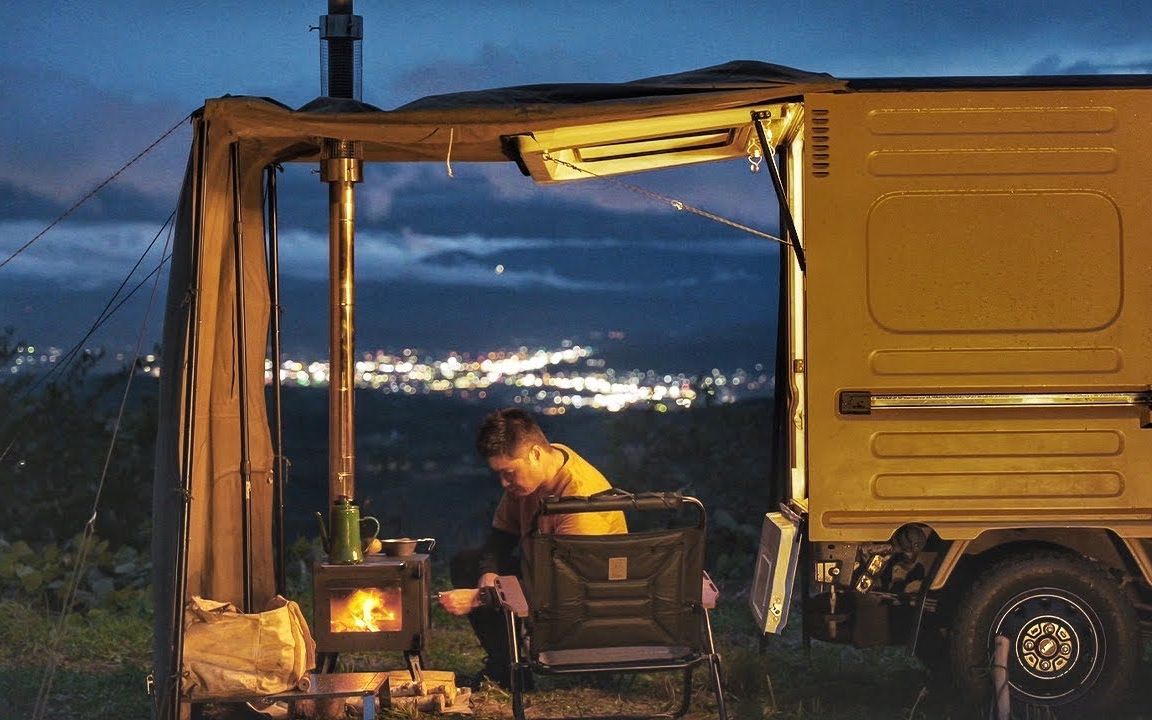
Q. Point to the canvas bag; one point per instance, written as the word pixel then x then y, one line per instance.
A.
pixel 228 653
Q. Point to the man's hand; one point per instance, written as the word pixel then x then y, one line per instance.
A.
pixel 460 602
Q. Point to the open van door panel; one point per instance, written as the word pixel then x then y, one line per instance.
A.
pixel 582 152
pixel 775 573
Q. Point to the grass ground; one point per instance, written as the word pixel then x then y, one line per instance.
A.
pixel 103 659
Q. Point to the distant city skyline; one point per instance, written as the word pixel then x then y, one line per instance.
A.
pixel 549 380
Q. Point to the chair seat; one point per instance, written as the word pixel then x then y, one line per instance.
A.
pixel 634 655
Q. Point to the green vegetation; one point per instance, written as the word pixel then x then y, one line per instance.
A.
pixel 102 655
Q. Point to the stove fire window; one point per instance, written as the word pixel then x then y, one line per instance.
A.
pixel 370 609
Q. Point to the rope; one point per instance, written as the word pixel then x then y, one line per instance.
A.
pixel 677 204
pixel 92 192
pixel 105 314
pixel 86 543
pixel 75 348
pixel 90 526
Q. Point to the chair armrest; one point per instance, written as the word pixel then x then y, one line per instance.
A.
pixel 710 593
pixel 510 595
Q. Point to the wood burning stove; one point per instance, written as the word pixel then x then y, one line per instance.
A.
pixel 380 604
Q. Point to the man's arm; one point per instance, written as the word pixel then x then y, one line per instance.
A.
pixel 495 554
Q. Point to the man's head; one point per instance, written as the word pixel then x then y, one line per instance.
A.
pixel 516 450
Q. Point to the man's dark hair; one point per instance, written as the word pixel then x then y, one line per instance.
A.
pixel 505 431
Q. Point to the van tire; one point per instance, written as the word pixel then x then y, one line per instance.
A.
pixel 1073 635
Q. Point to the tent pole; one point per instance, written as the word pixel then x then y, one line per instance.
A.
pixel 280 469
pixel 341 167
pixel 242 374
pixel 170 685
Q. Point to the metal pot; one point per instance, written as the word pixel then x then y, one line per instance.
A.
pixel 405 546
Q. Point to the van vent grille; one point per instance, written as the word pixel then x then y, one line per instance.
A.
pixel 820 147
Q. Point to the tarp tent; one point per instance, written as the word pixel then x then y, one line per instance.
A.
pixel 197 493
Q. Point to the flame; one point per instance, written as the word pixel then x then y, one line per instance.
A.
pixel 367 610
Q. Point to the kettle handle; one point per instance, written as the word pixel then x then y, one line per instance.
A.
pixel 374 533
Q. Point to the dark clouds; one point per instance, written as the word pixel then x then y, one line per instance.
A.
pixel 87 86
pixel 1057 65
pixel 65 135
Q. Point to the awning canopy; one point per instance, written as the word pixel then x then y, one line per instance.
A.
pixel 476 124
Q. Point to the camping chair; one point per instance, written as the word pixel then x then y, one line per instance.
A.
pixel 636 602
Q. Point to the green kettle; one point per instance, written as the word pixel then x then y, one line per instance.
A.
pixel 342 538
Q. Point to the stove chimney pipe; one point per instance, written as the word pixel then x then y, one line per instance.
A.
pixel 341 167
pixel 341 63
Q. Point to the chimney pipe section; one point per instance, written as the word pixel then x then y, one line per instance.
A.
pixel 341 33
pixel 341 168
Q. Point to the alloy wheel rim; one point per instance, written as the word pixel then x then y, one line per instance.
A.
pixel 1057 644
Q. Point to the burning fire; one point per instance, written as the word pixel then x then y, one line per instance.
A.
pixel 367 610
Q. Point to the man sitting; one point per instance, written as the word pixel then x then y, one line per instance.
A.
pixel 530 469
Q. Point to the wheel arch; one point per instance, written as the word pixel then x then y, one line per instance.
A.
pixel 965 558
pixel 962 561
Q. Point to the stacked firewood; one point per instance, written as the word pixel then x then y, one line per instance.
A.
pixel 435 692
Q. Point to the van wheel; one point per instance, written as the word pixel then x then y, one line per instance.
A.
pixel 1072 634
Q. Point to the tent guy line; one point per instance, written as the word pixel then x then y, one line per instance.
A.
pixel 677 204
pixel 91 193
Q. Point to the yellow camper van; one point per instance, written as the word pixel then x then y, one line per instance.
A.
pixel 966 366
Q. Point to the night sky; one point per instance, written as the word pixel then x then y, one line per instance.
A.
pixel 88 85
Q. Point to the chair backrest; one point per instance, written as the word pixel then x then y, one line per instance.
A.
pixel 603 591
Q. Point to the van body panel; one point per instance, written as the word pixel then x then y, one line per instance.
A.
pixel 972 243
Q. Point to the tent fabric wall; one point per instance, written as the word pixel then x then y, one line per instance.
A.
pixel 200 403
pixel 198 442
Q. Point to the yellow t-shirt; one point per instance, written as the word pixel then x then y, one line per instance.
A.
pixel 576 478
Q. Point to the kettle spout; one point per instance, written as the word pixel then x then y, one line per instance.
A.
pixel 324 542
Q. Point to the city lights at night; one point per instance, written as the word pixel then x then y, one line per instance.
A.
pixel 551 381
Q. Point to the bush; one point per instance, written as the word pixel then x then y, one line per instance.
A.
pixel 40 574
pixel 55 433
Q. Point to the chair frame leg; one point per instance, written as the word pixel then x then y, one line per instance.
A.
pixel 516 669
pixel 714 667
pixel 686 692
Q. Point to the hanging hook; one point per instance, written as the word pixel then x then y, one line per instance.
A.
pixel 755 155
